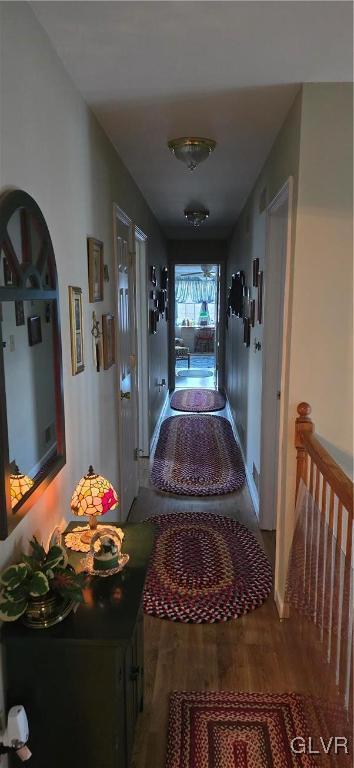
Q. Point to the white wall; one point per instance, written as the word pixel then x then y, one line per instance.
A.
pixel 52 147
pixel 321 353
pixel 248 242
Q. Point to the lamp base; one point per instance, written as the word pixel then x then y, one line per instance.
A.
pixel 74 539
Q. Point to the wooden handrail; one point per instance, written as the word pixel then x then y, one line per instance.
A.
pixel 307 444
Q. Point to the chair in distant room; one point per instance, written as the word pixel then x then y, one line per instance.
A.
pixel 182 352
pixel 204 340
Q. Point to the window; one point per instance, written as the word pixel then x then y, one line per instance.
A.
pixel 191 312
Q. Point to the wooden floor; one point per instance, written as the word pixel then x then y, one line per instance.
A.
pixel 254 653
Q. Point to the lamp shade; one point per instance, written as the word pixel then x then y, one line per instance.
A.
pixel 19 485
pixel 93 495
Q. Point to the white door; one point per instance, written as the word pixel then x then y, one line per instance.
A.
pixel 274 362
pixel 126 362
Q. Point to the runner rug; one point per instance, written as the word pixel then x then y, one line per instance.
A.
pixel 204 568
pixel 197 455
pixel 197 400
pixel 237 730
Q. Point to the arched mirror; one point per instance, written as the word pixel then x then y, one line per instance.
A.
pixel 32 434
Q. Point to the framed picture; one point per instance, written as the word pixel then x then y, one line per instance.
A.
pixel 246 331
pixel 153 320
pixel 8 277
pixel 153 278
pixel 109 341
pixel 164 278
pixel 260 298
pixel 95 269
pixel 252 314
pixel 76 330
pixel 19 313
pixel 34 330
pixel 255 272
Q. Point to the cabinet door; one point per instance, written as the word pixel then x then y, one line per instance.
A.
pixel 74 699
pixel 134 683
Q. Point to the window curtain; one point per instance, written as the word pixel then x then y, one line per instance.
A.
pixel 195 290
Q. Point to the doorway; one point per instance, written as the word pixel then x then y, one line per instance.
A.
pixel 126 350
pixel 275 357
pixel 196 326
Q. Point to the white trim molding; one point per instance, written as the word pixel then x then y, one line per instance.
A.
pixel 156 431
pixel 250 482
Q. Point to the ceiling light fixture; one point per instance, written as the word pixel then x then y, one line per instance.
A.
pixel 191 150
pixel 196 217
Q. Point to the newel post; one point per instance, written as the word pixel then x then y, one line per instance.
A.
pixel 303 425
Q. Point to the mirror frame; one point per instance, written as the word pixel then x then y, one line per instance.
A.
pixel 10 202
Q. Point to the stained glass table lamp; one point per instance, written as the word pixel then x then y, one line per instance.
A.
pixel 93 497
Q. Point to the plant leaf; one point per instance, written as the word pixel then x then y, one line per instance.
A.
pixel 14 575
pixel 39 584
pixel 10 610
pixel 56 556
pixel 38 550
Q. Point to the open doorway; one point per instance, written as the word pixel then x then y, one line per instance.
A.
pixel 196 294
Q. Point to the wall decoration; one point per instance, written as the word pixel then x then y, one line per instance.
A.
pixel 8 276
pixel 252 313
pixel 34 330
pixel 153 321
pixel 164 278
pixel 153 277
pixel 161 302
pixel 246 331
pixel 109 340
pixel 76 330
pixel 106 273
pixel 97 349
pixel 95 269
pixel 246 301
pixel 255 266
pixel 20 312
pixel 236 294
pixel 260 298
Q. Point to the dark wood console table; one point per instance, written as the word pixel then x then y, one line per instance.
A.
pixel 81 682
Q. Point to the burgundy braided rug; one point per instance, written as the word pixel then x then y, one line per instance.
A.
pixel 197 455
pixel 204 568
pixel 236 730
pixel 197 400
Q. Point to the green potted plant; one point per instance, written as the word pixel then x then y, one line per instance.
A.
pixel 42 587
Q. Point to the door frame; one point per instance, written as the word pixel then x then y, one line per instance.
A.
pixel 142 342
pixel 271 517
pixel 219 337
pixel 120 216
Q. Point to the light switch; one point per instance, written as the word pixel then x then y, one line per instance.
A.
pixel 12 343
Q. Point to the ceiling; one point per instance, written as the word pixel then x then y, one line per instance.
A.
pixel 152 71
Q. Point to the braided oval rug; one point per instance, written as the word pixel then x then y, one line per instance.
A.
pixel 197 455
pixel 210 729
pixel 197 400
pixel 204 568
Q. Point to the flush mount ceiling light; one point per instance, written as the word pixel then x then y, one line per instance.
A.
pixel 191 150
pixel 196 217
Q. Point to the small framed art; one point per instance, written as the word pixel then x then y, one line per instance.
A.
pixel 109 340
pixel 20 312
pixel 260 298
pixel 34 330
pixel 76 330
pixel 153 276
pixel 95 269
pixel 255 265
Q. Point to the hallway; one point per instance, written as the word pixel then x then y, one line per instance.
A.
pixel 255 652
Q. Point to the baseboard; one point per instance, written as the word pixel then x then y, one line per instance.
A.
pixel 250 482
pixel 156 431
